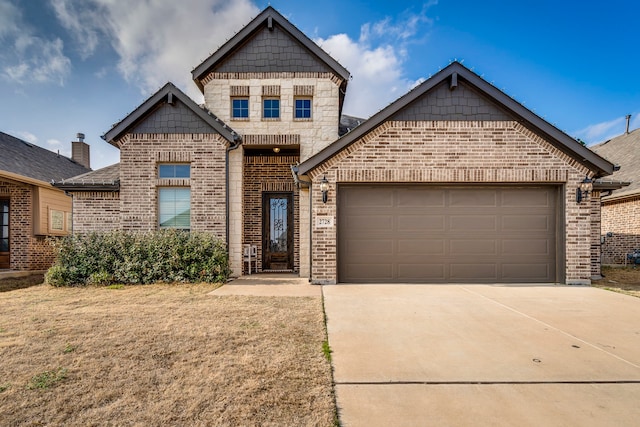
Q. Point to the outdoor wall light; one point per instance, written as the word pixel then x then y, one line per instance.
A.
pixel 324 188
pixel 276 150
pixel 585 188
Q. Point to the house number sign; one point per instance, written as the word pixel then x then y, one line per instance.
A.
pixel 324 221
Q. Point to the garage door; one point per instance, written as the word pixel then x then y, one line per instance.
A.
pixel 428 234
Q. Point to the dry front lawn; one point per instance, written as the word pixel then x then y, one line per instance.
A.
pixel 161 355
pixel 625 280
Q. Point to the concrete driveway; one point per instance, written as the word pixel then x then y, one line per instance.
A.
pixel 420 355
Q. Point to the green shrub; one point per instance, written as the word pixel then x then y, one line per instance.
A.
pixel 139 258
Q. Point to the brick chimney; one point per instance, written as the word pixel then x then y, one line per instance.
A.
pixel 80 151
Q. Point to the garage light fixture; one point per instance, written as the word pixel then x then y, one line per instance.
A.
pixel 585 188
pixel 324 188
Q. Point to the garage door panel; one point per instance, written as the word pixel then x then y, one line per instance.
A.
pixel 523 197
pixel 419 272
pixel 368 223
pixel 530 247
pixel 421 223
pixel 413 247
pixel 473 247
pixel 422 233
pixel 473 223
pixel 417 197
pixel 374 273
pixel 472 197
pixel 525 272
pixel 474 272
pixel 370 197
pixel 532 223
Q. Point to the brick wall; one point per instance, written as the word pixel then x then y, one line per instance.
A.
pixel 27 251
pixel 139 156
pixel 96 211
pixel 621 218
pixel 267 174
pixel 454 152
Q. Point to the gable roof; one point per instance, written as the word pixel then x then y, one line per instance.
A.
pixel 453 74
pixel 623 150
pixel 168 94
pixel 269 18
pixel 22 158
pixel 105 179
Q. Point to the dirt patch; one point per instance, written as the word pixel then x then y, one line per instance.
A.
pixel 625 280
pixel 13 283
pixel 161 355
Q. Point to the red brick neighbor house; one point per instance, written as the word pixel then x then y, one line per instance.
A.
pixel 31 209
pixel 453 182
pixel 621 207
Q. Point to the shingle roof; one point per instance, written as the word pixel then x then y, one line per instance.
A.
pixel 23 158
pixel 349 123
pixel 457 72
pixel 623 150
pixel 105 179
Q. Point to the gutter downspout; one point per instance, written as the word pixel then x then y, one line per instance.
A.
pixel 236 143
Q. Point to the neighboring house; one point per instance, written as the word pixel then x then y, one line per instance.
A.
pixel 453 182
pixel 31 209
pixel 621 207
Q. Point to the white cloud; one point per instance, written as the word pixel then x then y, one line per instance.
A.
pixel 57 146
pixel 27 57
pixel 603 131
pixel 82 24
pixel 375 61
pixel 156 40
pixel 27 136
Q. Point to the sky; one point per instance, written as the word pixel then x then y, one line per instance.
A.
pixel 69 66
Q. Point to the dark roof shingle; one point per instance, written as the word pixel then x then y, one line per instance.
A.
pixel 623 150
pixel 29 160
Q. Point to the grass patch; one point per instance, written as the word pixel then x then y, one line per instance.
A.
pixel 47 379
pixel 163 355
pixel 116 286
pixel 4 387
pixel 326 350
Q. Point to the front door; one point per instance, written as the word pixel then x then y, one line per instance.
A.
pixel 4 233
pixel 277 231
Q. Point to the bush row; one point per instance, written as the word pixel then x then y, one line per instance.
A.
pixel 138 258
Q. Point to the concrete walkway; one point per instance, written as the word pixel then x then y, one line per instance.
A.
pixel 473 355
pixel 270 284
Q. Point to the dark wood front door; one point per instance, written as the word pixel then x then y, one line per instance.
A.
pixel 277 231
pixel 4 233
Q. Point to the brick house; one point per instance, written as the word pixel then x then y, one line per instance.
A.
pixel 621 207
pixel 31 209
pixel 453 182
